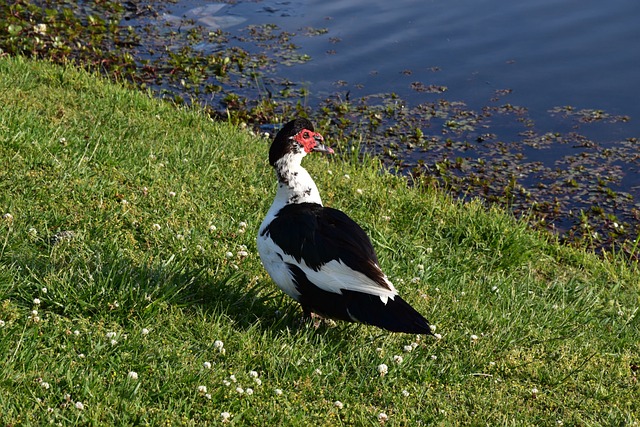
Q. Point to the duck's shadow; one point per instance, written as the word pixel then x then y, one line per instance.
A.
pixel 246 302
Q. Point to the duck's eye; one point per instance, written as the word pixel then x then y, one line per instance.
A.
pixel 305 135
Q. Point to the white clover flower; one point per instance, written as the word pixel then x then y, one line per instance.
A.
pixel 405 393
pixel 243 254
pixel 132 375
pixel 338 404
pixel 32 231
pixel 217 344
pixel 346 176
pixel 382 417
pixel 207 396
pixel 534 391
pixel 207 365
pixel 79 406
pixel 45 385
pixel 278 392
pixel 113 342
pixel 253 374
pixel 172 194
pixel 414 345
pixel 242 224
pixel 226 383
pixel 494 289
pixel 383 369
pixel 432 327
pixel 225 416
pixel 76 332
pixel 2 323
pixel 240 390
pixel 7 217
pixel 359 190
pixel 233 378
pixel 202 389
pixel 36 301
pixel 398 359
pixel 429 250
pixel 249 391
pixel 44 290
pixel 408 348
pixel 111 334
pixel 212 228
pixel 258 381
pixel 40 29
pixel 330 172
pixel 318 371
pixel 81 356
pixel 434 357
pixel 473 337
pixel 144 331
pixel 229 254
pixel 156 227
pixel 438 336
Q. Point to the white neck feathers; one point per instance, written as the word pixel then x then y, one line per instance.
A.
pixel 295 185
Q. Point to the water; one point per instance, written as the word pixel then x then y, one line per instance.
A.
pixel 486 53
pixel 583 53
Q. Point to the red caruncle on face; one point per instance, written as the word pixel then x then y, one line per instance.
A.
pixel 308 139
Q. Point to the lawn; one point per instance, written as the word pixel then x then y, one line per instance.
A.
pixel 131 292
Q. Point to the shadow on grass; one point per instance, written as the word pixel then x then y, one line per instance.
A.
pixel 103 283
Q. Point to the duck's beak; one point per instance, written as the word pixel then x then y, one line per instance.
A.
pixel 320 147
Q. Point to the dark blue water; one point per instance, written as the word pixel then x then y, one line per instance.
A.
pixel 546 53
pixel 583 53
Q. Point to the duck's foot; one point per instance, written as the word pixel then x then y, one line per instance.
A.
pixel 317 320
pixel 311 317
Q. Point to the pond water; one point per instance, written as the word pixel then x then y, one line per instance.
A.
pixel 580 55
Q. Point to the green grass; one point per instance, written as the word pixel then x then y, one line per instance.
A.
pixel 112 196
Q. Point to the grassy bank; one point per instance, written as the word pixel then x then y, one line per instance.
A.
pixel 131 291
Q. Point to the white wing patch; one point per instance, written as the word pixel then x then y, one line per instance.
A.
pixel 335 276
